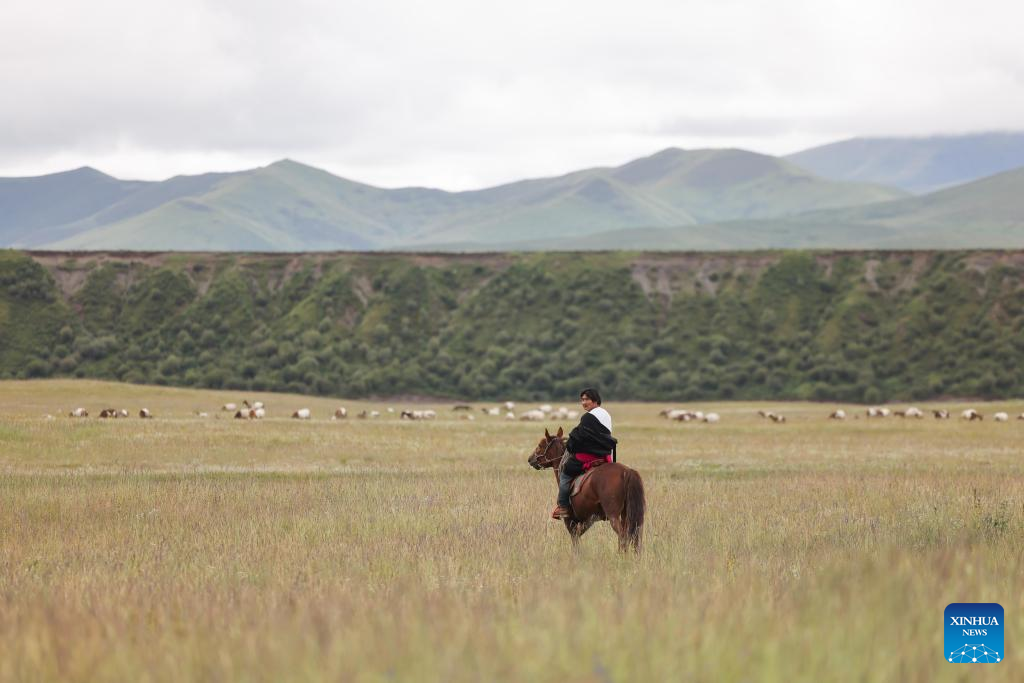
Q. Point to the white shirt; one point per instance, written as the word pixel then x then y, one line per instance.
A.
pixel 602 416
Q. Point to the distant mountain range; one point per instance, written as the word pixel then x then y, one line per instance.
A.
pixel 987 213
pixel 696 199
pixel 916 165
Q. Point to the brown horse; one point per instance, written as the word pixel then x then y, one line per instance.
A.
pixel 613 492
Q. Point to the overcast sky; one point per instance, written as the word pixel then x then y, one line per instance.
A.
pixel 462 94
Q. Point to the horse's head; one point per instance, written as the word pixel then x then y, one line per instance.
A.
pixel 548 452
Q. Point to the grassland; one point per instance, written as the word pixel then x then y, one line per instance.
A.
pixel 213 549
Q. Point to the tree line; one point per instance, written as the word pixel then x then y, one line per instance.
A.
pixel 859 327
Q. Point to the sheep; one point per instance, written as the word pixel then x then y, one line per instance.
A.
pixel 301 414
pixel 839 414
pixel 711 418
pixel 145 414
pixel 340 413
pixel 533 416
pixel 79 412
pixel 1000 417
pixel 971 415
pixel 940 413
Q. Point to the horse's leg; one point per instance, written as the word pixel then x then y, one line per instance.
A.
pixel 577 529
pixel 584 506
pixel 619 527
pixel 572 526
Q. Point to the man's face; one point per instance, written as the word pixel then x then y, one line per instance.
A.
pixel 587 403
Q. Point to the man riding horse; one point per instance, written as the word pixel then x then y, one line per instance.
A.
pixel 590 444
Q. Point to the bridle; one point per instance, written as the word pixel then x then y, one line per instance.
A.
pixel 541 462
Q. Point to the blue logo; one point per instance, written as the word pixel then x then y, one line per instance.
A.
pixel 974 632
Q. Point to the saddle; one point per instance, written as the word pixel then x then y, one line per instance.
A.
pixel 578 482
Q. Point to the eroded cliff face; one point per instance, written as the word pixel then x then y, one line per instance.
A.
pixel 660 275
pixel 839 325
pixel 71 269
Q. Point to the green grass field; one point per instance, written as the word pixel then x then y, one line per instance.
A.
pixel 184 548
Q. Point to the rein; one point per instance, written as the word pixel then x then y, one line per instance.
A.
pixel 544 453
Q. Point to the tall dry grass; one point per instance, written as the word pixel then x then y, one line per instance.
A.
pixel 188 549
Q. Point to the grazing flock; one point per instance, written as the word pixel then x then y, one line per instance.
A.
pixel 683 415
pixel 257 410
pixel 110 413
pixel 970 414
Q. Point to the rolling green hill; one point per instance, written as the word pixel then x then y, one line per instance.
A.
pixel 851 326
pixel 285 206
pixel 921 164
pixel 30 204
pixel 291 207
pixel 672 187
pixel 985 214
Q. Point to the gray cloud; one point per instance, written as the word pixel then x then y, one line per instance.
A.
pixel 462 94
pixel 727 126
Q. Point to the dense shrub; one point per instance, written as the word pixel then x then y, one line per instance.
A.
pixel 540 326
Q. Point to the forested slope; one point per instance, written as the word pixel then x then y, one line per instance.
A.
pixel 855 326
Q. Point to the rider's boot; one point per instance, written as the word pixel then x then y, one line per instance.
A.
pixel 560 512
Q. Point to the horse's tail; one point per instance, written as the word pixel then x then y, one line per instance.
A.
pixel 635 506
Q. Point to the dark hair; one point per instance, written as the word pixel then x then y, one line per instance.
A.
pixel 592 395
